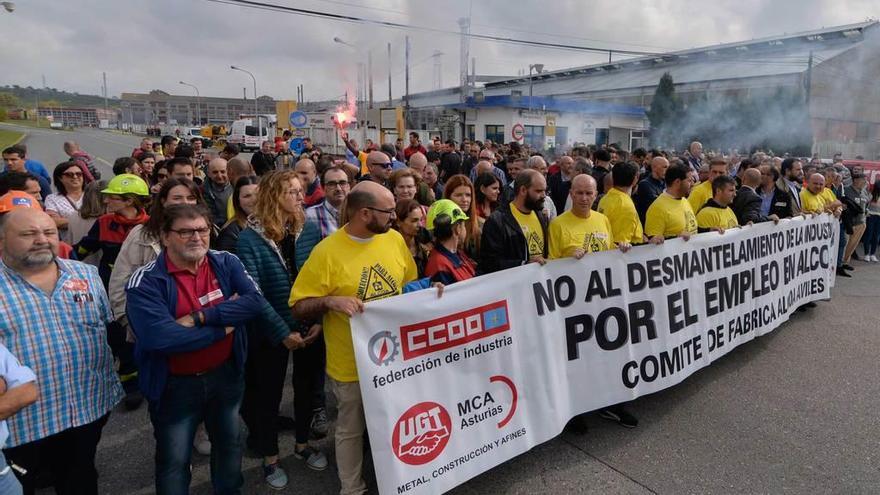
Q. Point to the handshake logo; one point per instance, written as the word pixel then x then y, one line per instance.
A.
pixel 421 433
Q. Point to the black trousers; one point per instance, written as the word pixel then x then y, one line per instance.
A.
pixel 265 371
pixel 308 370
pixel 264 374
pixel 68 456
pixel 124 350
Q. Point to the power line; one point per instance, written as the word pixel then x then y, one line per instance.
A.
pixel 504 28
pixel 397 25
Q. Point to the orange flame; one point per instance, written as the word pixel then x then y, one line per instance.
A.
pixel 346 114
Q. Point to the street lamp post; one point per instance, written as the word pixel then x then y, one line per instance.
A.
pixel 256 109
pixel 198 101
pixel 538 68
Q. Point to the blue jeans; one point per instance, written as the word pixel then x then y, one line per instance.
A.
pixel 213 397
pixel 872 235
pixel 9 484
pixel 842 246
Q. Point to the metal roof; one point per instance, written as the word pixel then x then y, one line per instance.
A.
pixel 778 55
pixel 550 104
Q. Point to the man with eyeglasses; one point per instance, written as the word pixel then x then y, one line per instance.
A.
pixel 363 261
pixel 379 167
pixel 188 310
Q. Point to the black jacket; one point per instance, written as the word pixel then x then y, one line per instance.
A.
pixel 646 192
pixel 558 190
pixel 503 244
pixel 781 205
pixel 599 174
pixel 850 212
pixel 747 206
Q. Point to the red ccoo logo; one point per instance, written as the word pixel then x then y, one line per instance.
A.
pixel 454 330
pixel 421 433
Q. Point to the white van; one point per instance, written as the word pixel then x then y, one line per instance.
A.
pixel 245 134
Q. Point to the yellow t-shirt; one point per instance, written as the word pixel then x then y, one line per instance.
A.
pixel 829 196
pixel 700 194
pixel 531 229
pixel 813 203
pixel 568 232
pixel 621 212
pixel 230 209
pixel 342 266
pixel 669 217
pixel 711 217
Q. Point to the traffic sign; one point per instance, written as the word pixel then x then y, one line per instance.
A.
pixel 518 132
pixel 296 146
pixel 298 119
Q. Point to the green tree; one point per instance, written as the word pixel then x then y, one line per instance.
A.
pixel 664 112
pixel 8 100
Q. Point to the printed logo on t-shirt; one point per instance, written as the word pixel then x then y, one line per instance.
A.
pixel 376 283
pixel 595 242
pixel 536 248
pixel 690 221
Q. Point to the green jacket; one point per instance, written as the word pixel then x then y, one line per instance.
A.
pixel 266 266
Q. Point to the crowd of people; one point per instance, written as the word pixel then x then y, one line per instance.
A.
pixel 192 277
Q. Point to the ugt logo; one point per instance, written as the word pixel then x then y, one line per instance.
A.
pixel 421 433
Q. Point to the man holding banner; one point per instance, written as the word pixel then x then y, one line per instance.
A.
pixel 618 205
pixel 363 261
pixel 580 231
pixel 716 214
pixel 670 215
pixel 516 234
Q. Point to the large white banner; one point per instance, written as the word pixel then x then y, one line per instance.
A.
pixel 455 386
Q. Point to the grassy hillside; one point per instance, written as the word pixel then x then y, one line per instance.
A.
pixel 17 96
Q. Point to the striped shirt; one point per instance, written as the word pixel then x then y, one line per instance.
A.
pixel 325 216
pixel 62 337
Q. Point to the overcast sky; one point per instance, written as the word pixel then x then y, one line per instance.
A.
pixel 153 44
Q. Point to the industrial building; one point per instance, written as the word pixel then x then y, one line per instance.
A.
pixel 835 68
pixel 79 117
pixel 161 108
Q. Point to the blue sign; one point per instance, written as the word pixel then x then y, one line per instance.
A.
pixel 298 119
pixel 296 146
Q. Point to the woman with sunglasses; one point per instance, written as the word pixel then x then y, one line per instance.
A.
pixel 68 180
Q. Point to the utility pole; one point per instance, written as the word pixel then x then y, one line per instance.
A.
pixel 809 81
pixel 389 73
pixel 370 77
pixel 437 82
pixel 406 61
pixel 105 92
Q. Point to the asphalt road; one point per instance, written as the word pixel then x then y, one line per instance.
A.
pixel 47 145
pixel 792 412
